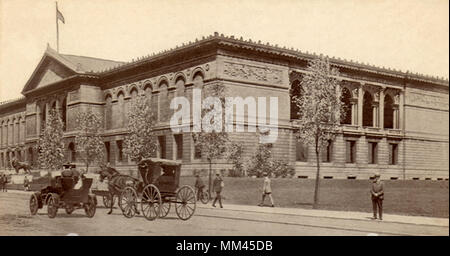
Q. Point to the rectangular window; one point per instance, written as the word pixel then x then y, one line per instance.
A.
pixel 119 151
pixel 327 152
pixel 197 149
pixel 351 151
pixel 162 146
pixel 108 152
pixel 179 146
pixel 393 153
pixel 301 152
pixel 373 152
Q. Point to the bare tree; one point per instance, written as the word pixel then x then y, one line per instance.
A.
pixel 320 109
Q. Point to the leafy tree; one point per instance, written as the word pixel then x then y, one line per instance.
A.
pixel 214 143
pixel 320 109
pixel 260 162
pixel 51 143
pixel 235 156
pixel 140 142
pixel 88 140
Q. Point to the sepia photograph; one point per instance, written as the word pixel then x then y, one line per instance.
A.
pixel 224 118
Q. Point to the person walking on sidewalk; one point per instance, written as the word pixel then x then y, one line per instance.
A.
pixel 267 190
pixel 218 185
pixel 377 195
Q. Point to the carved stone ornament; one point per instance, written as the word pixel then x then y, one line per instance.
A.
pixel 254 73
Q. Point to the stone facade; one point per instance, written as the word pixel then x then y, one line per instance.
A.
pixel 397 123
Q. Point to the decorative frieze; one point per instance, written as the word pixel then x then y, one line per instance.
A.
pixel 253 73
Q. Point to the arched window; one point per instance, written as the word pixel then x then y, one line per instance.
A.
pixel 133 93
pixel 108 112
pixel 346 117
pixel 120 110
pixel 388 112
pixel 64 112
pixel 148 91
pixel 198 80
pixel 367 110
pixel 72 152
pixel 163 102
pixel 295 92
pixel 179 84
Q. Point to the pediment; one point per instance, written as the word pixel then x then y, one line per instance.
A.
pixel 49 70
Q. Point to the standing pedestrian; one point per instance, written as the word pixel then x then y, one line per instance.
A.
pixel 3 182
pixel 377 195
pixel 26 184
pixel 199 185
pixel 267 190
pixel 218 185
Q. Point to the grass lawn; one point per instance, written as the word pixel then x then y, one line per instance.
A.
pixel 410 197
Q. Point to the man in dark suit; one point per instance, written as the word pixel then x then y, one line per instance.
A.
pixel 377 195
pixel 217 186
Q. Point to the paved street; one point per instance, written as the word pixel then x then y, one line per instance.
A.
pixel 15 219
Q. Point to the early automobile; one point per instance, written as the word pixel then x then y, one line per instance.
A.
pixel 61 193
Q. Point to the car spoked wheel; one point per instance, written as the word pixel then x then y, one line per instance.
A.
pixel 34 204
pixel 165 208
pixel 52 205
pixel 90 207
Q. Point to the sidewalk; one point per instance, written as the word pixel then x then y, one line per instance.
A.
pixel 362 216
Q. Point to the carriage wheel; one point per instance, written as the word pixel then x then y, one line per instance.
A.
pixel 151 202
pixel 165 208
pixel 52 205
pixel 186 202
pixel 128 202
pixel 90 206
pixel 69 209
pixel 34 204
pixel 107 200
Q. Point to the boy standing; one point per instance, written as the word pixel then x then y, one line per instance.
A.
pixel 267 190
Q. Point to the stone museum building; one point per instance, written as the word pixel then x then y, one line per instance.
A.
pixel 396 123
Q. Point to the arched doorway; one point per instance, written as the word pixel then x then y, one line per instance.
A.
pixel 367 109
pixel 346 117
pixel 388 112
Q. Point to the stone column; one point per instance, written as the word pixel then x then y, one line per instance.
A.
pixel 360 105
pixel 354 110
pixel 38 120
pixel 401 106
pixel 375 114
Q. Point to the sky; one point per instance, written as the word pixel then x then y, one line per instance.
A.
pixel 404 34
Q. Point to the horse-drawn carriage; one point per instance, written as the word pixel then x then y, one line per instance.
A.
pixel 157 191
pixel 62 194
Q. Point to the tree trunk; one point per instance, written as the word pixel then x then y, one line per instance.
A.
pixel 210 177
pixel 316 188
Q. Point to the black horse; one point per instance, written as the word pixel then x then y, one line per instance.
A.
pixel 117 182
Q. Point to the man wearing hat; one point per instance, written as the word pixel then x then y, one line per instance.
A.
pixel 217 186
pixel 377 193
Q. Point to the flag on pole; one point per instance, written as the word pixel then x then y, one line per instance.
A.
pixel 59 15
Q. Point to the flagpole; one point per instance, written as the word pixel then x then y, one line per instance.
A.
pixel 57 29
